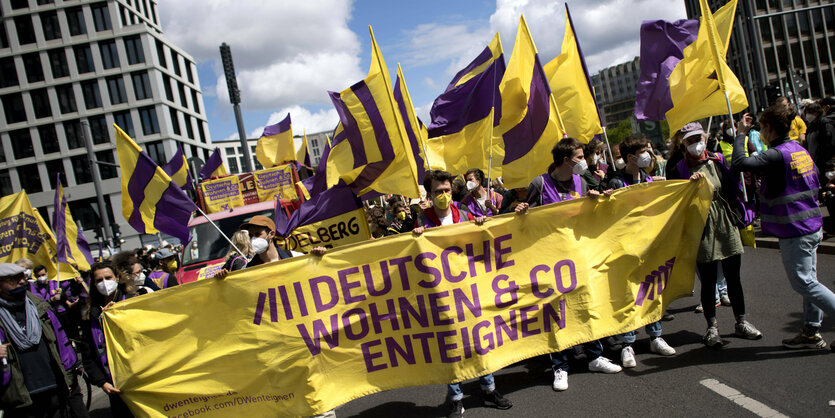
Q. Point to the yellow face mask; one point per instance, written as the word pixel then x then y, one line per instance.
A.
pixel 401 216
pixel 172 265
pixel 443 200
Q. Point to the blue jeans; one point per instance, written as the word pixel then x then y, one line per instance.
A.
pixel 800 258
pixel 653 329
pixel 559 360
pixel 454 393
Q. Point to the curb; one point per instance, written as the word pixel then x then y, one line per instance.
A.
pixel 825 247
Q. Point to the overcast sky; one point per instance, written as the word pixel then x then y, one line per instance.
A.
pixel 289 53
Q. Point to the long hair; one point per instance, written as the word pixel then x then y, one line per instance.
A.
pixel 126 285
pixel 241 240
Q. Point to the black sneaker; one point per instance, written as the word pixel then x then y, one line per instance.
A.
pixel 805 340
pixel 496 400
pixel 456 409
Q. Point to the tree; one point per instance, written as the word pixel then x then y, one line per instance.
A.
pixel 619 132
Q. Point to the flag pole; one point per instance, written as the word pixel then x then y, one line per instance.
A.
pixel 221 232
pixel 733 128
pixel 609 147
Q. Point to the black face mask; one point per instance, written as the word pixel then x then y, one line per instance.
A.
pixel 18 292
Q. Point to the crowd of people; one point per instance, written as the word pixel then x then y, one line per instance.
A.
pixel 775 171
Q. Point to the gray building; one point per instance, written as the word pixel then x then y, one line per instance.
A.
pixel 233 155
pixel 103 62
pixel 614 89
pixel 773 38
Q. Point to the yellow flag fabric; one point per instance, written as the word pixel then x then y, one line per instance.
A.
pixel 348 228
pixel 24 234
pixel 276 144
pixel 222 194
pixel 371 150
pixel 570 87
pixel 696 82
pixel 302 152
pixel 76 254
pixel 304 335
pixel 463 150
pixel 275 181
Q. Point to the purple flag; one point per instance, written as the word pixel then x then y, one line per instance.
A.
pixel 178 170
pixel 662 47
pixel 213 163
pixel 335 201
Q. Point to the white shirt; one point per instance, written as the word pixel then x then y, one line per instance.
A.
pixel 447 220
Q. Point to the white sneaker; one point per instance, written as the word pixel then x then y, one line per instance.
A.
pixel 627 357
pixel 659 346
pixel 560 380
pixel 603 365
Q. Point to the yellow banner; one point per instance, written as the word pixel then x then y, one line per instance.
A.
pixel 304 335
pixel 24 234
pixel 349 228
pixel 275 181
pixel 222 194
pixel 210 270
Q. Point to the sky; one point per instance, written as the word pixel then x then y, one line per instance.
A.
pixel 288 54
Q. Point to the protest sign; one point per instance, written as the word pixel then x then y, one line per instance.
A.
pixel 275 181
pixel 347 228
pixel 222 194
pixel 304 335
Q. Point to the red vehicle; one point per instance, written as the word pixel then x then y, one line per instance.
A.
pixel 204 255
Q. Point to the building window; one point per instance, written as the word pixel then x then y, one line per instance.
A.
pixel 148 116
pixel 189 73
pixel 133 46
pixel 25 29
pixel 141 86
pixel 81 169
pixel 182 89
pixel 50 25
pixel 13 108
pixel 74 135
pixel 109 55
pixel 4 38
pixel 92 98
pixel 156 152
pixel 106 171
pixel 166 83
pixel 49 140
pixel 40 103
pixel 116 89
pixel 175 62
pixel 194 101
pixel 175 121
pixel 160 53
pixel 98 129
pixel 233 164
pixel 315 152
pixel 101 17
pixel 84 59
pixel 314 143
pixel 20 4
pixel 189 128
pixel 124 121
pixel 22 143
pixel 32 66
pixel 66 98
pixel 75 21
pixel 53 167
pixel 58 63
pixel 8 72
pixel 201 131
pixel 30 178
pixel 5 183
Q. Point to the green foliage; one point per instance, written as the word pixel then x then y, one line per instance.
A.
pixel 619 132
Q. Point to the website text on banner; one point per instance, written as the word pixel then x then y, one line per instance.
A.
pixel 222 194
pixel 275 181
pixel 307 334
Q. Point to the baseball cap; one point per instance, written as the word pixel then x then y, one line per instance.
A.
pixel 259 220
pixel 692 128
pixel 164 253
pixel 10 269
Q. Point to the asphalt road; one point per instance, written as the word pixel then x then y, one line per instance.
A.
pixel 743 379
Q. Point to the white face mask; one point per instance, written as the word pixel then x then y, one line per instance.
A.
pixel 595 159
pixel 580 167
pixel 620 164
pixel 830 175
pixel 107 287
pixel 696 149
pixel 259 245
pixel 471 185
pixel 27 273
pixel 140 279
pixel 42 279
pixel 644 160
pixel 729 132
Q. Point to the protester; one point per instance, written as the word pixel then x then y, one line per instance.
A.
pixel 438 184
pixel 563 182
pixel 596 172
pixel 165 271
pixel 403 219
pixel 127 262
pixel 821 138
pixel 261 230
pixel 790 212
pixel 512 198
pixel 720 241
pixel 36 354
pixel 797 129
pixel 27 265
pixel 235 260
pixel 635 151
pixel 376 221
pixel 479 200
pixel 112 285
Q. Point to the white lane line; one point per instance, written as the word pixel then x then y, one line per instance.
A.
pixel 757 407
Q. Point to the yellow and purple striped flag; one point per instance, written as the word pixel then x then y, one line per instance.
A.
pixel 151 201
pixel 178 170
pixel 214 166
pixel 276 144
pixel 71 247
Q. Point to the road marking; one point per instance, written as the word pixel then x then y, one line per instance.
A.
pixel 757 407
